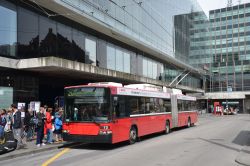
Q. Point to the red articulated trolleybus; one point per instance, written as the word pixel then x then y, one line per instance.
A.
pixel 112 113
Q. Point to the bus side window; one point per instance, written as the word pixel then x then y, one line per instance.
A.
pixel 157 105
pixel 186 105
pixel 133 105
pixel 152 106
pixel 180 105
pixel 166 105
pixel 147 105
pixel 122 108
pixel 193 105
pixel 141 105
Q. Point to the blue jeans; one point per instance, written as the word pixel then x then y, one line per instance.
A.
pixel 49 135
pixel 18 136
pixel 1 131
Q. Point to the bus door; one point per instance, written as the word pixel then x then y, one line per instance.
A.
pixel 121 121
pixel 174 110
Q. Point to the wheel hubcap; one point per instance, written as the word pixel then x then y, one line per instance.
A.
pixel 133 135
pixel 167 128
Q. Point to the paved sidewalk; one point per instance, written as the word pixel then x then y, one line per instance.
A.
pixel 31 148
pixel 244 156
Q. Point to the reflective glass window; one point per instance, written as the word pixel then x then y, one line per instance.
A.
pixel 111 58
pixel 49 38
pixel 150 69
pixel 28 36
pixel 6 96
pixel 90 47
pixel 126 58
pixel 145 67
pixel 8 29
pixel 119 60
pixel 64 38
pixel 78 51
pixel 154 67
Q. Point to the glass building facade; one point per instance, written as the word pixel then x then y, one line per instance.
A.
pixel 27 31
pixel 150 22
pixel 199 55
pixel 191 32
pixel 229 45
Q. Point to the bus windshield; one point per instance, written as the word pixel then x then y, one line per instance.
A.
pixel 87 104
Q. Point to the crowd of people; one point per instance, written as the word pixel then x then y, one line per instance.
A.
pixel 26 125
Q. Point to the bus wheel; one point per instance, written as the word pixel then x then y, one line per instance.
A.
pixel 132 135
pixel 167 127
pixel 189 122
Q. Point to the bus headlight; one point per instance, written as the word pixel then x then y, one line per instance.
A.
pixel 65 131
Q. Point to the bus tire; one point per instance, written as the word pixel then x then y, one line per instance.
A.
pixel 132 135
pixel 189 122
pixel 167 127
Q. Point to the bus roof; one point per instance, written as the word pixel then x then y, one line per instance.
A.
pixel 149 87
pixel 184 97
pixel 138 92
pixel 146 90
pixel 118 89
pixel 98 84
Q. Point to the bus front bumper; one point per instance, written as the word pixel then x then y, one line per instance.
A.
pixel 88 138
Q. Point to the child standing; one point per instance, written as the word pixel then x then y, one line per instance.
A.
pixel 58 125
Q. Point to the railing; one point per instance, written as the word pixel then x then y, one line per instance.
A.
pixel 225 89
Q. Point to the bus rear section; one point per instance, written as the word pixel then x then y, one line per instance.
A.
pixel 187 110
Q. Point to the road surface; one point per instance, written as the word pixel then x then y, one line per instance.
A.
pixel 214 141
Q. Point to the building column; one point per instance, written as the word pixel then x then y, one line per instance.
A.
pixel 243 103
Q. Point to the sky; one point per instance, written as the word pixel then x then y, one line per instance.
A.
pixel 216 4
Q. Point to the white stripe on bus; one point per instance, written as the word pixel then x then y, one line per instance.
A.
pixel 187 111
pixel 150 114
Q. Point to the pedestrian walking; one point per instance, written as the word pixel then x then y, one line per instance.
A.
pixel 48 126
pixel 40 126
pixel 32 125
pixel 27 124
pixel 17 126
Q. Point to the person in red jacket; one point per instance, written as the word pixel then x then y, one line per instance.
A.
pixel 48 126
